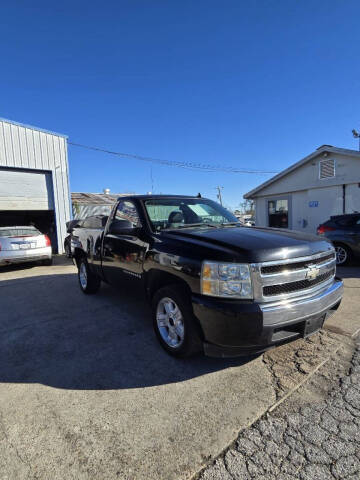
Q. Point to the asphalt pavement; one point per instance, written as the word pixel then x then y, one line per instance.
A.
pixel 321 441
pixel 86 392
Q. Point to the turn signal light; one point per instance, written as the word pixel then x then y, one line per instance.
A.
pixel 47 241
pixel 206 287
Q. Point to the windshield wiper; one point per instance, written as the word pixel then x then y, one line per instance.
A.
pixel 231 224
pixel 202 224
pixel 191 225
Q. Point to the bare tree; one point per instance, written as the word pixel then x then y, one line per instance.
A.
pixel 246 207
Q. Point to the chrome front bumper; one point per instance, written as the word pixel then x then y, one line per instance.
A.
pixel 297 310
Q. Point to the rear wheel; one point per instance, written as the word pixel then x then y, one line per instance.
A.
pixel 174 322
pixel 88 281
pixel 343 254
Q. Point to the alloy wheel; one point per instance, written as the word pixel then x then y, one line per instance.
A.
pixel 83 275
pixel 170 322
pixel 341 255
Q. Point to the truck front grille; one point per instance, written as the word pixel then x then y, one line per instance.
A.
pixel 296 265
pixel 278 281
pixel 295 286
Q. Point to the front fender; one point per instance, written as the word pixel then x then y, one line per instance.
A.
pixel 165 268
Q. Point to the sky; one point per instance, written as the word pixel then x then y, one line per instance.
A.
pixel 248 84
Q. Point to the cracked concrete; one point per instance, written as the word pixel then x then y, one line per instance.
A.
pixel 22 469
pixel 318 441
pixel 289 364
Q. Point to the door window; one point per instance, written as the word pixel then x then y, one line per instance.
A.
pixel 97 222
pixel 278 213
pixel 126 210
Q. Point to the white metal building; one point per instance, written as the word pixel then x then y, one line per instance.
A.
pixel 88 204
pixel 34 180
pixel 325 183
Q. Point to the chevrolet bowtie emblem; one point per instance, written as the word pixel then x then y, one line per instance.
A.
pixel 312 272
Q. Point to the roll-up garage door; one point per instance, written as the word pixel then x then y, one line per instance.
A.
pixel 25 190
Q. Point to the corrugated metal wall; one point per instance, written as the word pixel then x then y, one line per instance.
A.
pixel 83 211
pixel 26 147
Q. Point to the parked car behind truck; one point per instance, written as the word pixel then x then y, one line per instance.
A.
pixel 344 233
pixel 214 285
pixel 22 244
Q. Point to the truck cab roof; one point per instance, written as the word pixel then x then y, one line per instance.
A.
pixel 154 197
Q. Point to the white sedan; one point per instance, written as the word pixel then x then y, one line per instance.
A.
pixel 24 244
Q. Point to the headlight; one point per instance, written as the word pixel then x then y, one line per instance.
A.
pixel 230 280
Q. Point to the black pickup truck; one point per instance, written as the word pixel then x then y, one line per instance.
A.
pixel 214 285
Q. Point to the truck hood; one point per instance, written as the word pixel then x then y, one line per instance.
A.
pixel 254 244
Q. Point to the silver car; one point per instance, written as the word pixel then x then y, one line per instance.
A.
pixel 24 244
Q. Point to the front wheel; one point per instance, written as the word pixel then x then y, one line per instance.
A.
pixel 88 281
pixel 174 322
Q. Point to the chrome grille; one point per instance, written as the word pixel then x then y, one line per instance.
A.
pixel 278 281
pixel 295 286
pixel 295 265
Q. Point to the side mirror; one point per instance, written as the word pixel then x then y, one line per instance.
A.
pixel 122 227
pixel 104 220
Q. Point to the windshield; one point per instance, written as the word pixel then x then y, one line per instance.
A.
pixel 165 213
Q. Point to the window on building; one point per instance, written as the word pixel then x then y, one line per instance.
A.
pixel 278 213
pixel 327 168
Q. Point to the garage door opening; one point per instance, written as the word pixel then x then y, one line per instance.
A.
pixel 44 221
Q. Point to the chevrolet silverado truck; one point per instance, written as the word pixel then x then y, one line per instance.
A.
pixel 214 285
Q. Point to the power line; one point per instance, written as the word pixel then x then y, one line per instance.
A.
pixel 170 163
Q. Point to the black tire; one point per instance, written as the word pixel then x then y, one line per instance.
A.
pixel 191 342
pixel 344 254
pixel 47 262
pixel 88 281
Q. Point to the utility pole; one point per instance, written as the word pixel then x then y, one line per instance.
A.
pixel 152 179
pixel 356 134
pixel 219 194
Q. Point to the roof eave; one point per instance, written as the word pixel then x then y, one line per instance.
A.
pixel 322 149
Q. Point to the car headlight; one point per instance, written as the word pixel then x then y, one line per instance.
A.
pixel 230 280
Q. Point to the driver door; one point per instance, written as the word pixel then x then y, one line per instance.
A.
pixel 123 254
